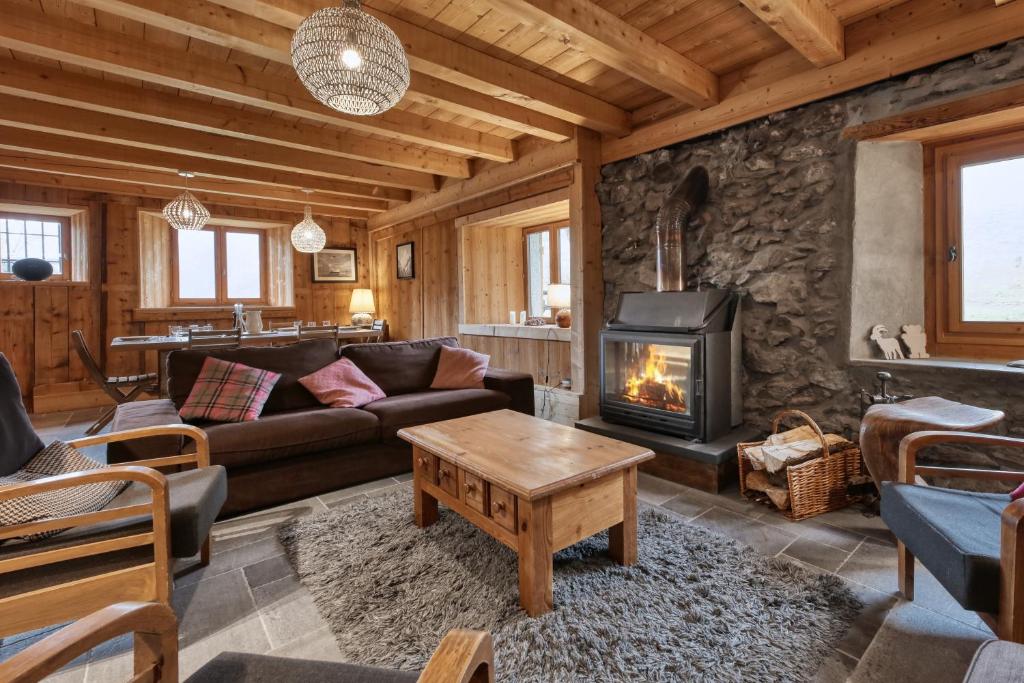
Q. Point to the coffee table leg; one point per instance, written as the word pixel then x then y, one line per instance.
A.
pixel 535 552
pixel 424 504
pixel 622 536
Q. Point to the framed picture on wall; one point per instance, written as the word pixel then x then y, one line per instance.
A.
pixel 405 258
pixel 335 265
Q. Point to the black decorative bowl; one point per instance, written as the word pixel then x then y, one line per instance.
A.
pixel 32 269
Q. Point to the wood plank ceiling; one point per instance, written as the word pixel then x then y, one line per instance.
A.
pixel 113 94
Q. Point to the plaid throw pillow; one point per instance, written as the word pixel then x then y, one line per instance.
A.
pixel 57 458
pixel 228 392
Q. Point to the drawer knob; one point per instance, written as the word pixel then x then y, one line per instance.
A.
pixel 470 488
pixel 422 461
pixel 445 473
pixel 499 506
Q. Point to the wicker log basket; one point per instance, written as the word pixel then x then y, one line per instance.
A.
pixel 818 485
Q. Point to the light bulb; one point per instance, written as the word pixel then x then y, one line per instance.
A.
pixel 187 213
pixel 351 59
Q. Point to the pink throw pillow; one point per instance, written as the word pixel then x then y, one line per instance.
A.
pixel 460 369
pixel 1018 492
pixel 228 392
pixel 342 385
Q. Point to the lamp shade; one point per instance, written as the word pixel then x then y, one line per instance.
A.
pixel 559 296
pixel 362 301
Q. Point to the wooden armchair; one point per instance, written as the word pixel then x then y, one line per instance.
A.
pixel 122 552
pixel 973 543
pixel 462 657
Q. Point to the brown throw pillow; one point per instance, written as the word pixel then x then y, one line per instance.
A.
pixel 57 458
pixel 460 369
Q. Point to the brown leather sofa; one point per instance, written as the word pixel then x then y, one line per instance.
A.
pixel 299 447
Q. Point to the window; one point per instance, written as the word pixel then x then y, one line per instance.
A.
pixel 977 264
pixel 547 260
pixel 218 266
pixel 30 236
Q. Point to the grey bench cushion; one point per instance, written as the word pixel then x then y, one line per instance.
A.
pixel 234 667
pixel 196 498
pixel 954 533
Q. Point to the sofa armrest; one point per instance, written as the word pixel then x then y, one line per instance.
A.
pixel 517 385
pixel 159 412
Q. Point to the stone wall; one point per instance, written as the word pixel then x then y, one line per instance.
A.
pixel 778 228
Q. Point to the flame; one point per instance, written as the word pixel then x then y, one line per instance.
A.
pixel 651 385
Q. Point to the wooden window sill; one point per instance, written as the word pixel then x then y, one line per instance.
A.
pixel 542 332
pixel 45 283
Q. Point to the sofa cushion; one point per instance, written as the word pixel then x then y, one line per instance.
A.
pixel 399 367
pixel 460 369
pixel 342 385
pixel 409 410
pixel 292 362
pixel 228 392
pixel 18 440
pixel 282 435
pixel 954 533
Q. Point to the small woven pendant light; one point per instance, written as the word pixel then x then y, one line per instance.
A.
pixel 185 212
pixel 307 236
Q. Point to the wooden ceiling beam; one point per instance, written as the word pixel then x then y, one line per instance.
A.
pixel 448 60
pixel 27 30
pixel 868 63
pixel 21 112
pixel 136 157
pixel 809 26
pixel 87 184
pixel 237 30
pixel 320 202
pixel 600 35
pixel 35 81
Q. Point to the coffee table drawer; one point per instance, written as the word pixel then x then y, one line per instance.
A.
pixel 448 477
pixel 503 507
pixel 425 465
pixel 474 491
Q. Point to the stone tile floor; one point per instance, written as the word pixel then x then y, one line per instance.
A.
pixel 249 599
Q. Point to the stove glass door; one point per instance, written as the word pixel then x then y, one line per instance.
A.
pixel 655 374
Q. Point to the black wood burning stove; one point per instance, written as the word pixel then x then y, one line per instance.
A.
pixel 670 363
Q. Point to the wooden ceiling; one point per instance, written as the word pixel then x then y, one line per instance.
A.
pixel 111 95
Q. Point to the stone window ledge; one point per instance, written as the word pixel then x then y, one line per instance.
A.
pixel 542 332
pixel 956 364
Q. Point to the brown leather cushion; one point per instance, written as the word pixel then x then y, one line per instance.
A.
pixel 293 362
pixel 399 367
pixel 283 435
pixel 408 410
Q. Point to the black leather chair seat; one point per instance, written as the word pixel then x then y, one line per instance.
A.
pixel 954 533
pixel 234 667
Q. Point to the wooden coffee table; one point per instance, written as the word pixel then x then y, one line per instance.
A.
pixel 534 485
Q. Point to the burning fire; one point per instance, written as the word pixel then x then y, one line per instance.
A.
pixel 653 386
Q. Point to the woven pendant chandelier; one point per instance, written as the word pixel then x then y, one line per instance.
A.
pixel 350 61
pixel 185 212
pixel 307 236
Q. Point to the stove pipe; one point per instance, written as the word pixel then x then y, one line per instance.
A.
pixel 670 226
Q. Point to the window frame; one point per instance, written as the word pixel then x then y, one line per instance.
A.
pixel 65 242
pixel 948 334
pixel 553 255
pixel 220 269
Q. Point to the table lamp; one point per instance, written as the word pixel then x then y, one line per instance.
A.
pixel 361 307
pixel 560 297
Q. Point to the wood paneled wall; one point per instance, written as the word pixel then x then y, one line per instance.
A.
pixel 492 273
pixel 36 320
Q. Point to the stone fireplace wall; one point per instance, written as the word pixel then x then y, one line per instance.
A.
pixel 778 228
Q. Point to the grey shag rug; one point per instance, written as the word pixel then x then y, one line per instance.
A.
pixel 698 606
